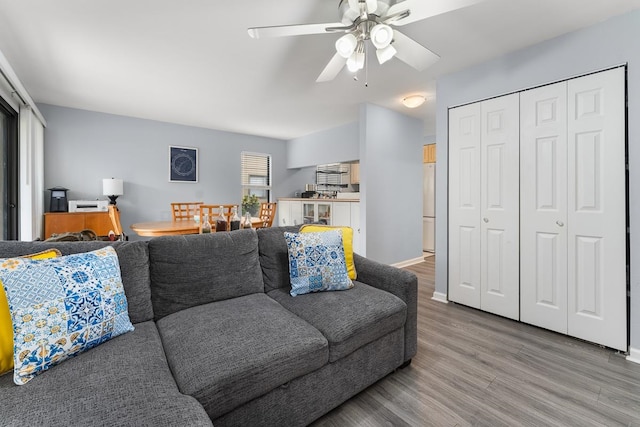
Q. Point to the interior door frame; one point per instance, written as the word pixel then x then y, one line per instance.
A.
pixel 11 173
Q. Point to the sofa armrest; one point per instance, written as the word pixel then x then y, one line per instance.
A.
pixel 401 283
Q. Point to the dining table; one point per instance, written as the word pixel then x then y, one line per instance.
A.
pixel 174 228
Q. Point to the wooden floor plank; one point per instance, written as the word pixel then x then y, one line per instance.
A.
pixel 477 369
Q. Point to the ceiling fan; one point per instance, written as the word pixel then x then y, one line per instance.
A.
pixel 371 20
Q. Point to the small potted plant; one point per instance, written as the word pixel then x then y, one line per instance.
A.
pixel 251 204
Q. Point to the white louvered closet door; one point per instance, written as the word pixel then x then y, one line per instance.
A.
pixel 596 209
pixel 543 207
pixel 499 193
pixel 464 205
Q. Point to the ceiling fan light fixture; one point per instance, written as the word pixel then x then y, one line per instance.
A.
pixel 381 35
pixel 355 62
pixel 413 101
pixel 385 54
pixel 346 45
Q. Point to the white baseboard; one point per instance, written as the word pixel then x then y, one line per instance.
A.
pixel 408 262
pixel 634 355
pixel 440 297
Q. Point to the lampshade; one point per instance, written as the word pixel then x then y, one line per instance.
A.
pixel 112 187
pixel 386 54
pixel 355 62
pixel 413 101
pixel 346 44
pixel 381 35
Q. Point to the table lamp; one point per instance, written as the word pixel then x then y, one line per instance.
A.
pixel 112 188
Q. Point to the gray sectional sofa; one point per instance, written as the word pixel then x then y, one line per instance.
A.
pixel 218 339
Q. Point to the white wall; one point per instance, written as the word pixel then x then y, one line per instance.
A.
pixel 391 184
pixel 389 147
pixel 334 145
pixel 601 46
pixel 83 147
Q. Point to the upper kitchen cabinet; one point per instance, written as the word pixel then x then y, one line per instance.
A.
pixel 355 173
pixel 429 153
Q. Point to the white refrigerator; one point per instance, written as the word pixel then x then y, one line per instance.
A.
pixel 428 209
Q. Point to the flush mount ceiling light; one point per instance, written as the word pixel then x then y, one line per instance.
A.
pixel 413 101
pixel 371 20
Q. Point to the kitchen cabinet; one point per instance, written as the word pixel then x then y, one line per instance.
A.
pixel 316 212
pixel 330 212
pixel 342 213
pixel 358 247
pixel 429 153
pixel 289 213
pixel 355 173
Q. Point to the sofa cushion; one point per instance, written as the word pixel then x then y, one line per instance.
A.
pixel 125 381
pixel 274 257
pixel 350 319
pixel 62 307
pixel 317 262
pixel 229 352
pixel 192 270
pixel 134 267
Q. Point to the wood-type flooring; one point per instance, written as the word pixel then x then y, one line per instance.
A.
pixel 476 369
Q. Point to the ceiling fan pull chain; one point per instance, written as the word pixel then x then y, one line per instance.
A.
pixel 366 69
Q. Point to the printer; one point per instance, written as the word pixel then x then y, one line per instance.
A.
pixel 88 205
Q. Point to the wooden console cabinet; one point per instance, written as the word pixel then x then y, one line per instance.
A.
pixel 62 222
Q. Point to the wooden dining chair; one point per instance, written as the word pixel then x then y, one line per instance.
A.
pixel 114 216
pixel 213 211
pixel 267 214
pixel 181 211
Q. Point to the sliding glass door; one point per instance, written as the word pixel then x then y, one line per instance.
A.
pixel 9 176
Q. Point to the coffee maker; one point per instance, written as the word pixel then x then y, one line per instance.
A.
pixel 58 202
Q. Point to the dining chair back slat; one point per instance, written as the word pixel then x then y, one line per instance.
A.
pixel 267 214
pixel 181 211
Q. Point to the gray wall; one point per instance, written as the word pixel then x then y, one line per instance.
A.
pixel 334 145
pixel 391 184
pixel 83 147
pixel 601 46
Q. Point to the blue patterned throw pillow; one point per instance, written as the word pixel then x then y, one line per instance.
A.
pixel 317 262
pixel 61 307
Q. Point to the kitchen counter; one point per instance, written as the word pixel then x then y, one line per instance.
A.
pixel 298 199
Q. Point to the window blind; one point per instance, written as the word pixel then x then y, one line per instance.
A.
pixel 256 174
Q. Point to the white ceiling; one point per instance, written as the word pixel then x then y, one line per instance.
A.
pixel 192 62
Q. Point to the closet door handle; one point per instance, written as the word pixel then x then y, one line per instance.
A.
pixel 485 220
pixel 560 223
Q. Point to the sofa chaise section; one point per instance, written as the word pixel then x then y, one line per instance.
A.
pixel 123 382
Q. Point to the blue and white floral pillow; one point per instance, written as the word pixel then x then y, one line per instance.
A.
pixel 63 306
pixel 317 262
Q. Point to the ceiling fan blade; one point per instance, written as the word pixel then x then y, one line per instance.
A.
pixel 412 52
pixel 332 69
pixel 421 9
pixel 292 30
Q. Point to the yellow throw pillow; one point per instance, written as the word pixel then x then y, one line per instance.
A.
pixel 6 325
pixel 347 240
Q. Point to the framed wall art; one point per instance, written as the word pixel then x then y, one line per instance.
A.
pixel 183 164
